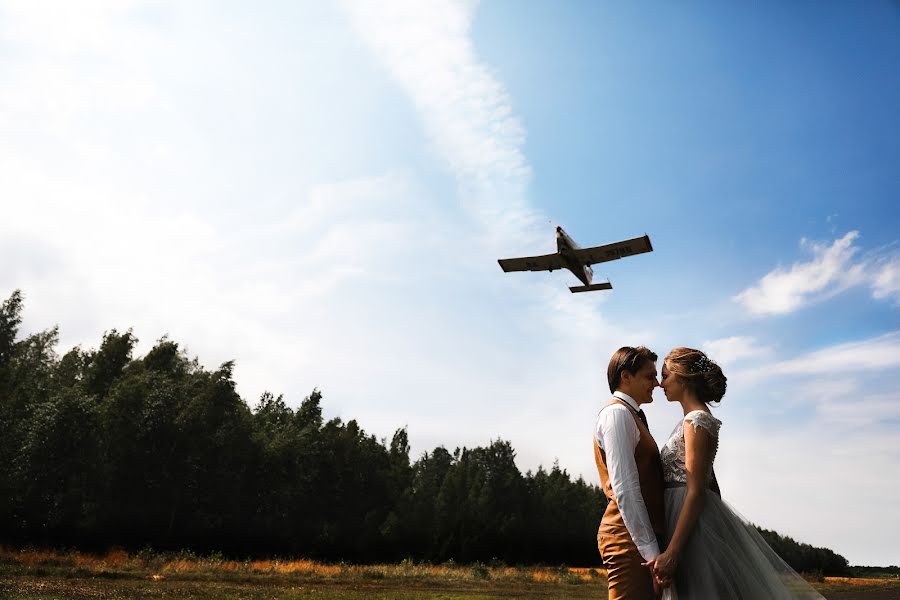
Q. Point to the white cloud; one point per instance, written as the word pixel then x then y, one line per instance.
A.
pixel 734 349
pixel 830 271
pixel 465 111
pixel 824 374
pixel 426 48
pixel 886 280
pixel 861 412
pixel 882 352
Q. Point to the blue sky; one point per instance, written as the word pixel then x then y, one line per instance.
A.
pixel 320 192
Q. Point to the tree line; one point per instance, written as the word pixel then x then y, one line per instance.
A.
pixel 805 558
pixel 103 449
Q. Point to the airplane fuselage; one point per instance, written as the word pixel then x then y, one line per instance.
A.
pixel 565 247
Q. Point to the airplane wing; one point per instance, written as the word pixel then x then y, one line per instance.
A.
pixel 616 250
pixel 547 262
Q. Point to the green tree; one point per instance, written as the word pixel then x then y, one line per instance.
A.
pixel 105 365
pixel 10 319
pixel 215 426
pixel 57 464
pixel 428 475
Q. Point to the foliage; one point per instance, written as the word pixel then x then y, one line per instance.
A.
pixel 891 572
pixel 805 558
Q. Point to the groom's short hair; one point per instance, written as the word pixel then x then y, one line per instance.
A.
pixel 627 358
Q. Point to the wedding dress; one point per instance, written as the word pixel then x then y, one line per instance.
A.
pixel 724 557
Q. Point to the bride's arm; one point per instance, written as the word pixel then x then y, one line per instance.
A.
pixel 697 450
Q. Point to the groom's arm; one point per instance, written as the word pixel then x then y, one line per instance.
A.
pixel 619 437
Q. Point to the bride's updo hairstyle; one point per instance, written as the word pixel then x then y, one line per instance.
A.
pixel 698 373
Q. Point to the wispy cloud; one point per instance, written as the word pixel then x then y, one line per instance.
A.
pixel 829 272
pixel 886 280
pixel 426 48
pixel 466 112
pixel 872 355
pixel 734 349
pixel 833 269
pixel 865 411
pixel 882 352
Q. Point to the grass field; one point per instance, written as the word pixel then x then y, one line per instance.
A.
pixel 45 575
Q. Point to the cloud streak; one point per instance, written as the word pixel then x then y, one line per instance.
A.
pixel 426 48
pixel 833 269
pixel 886 280
pixel 830 272
pixel 465 111
pixel 882 352
pixel 829 370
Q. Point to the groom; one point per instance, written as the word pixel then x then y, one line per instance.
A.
pixel 631 476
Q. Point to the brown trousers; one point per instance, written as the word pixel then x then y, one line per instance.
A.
pixel 627 578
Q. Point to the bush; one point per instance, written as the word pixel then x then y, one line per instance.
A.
pixel 480 571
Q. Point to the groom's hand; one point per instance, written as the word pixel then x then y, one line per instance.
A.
pixel 660 581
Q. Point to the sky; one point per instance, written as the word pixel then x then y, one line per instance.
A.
pixel 321 191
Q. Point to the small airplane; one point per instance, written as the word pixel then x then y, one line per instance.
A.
pixel 578 260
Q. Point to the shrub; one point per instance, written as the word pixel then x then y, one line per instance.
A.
pixel 480 571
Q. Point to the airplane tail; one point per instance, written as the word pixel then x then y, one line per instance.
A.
pixel 591 288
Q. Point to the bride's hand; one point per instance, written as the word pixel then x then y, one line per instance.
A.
pixel 660 581
pixel 664 566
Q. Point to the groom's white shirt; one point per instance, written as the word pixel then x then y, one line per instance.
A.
pixel 618 436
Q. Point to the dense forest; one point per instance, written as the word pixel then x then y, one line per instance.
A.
pixel 103 449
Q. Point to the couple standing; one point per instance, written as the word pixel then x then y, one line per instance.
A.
pixel 666 531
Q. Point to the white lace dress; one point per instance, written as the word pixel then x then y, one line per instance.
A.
pixel 724 557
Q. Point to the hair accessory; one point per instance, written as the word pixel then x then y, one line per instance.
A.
pixel 702 365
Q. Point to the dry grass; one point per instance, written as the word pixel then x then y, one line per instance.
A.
pixel 854 581
pixel 856 584
pixel 185 565
pixel 49 575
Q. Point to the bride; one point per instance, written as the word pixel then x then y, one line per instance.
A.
pixel 711 552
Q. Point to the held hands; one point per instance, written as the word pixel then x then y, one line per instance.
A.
pixel 659 584
pixel 662 568
pixel 665 564
pixel 657 588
